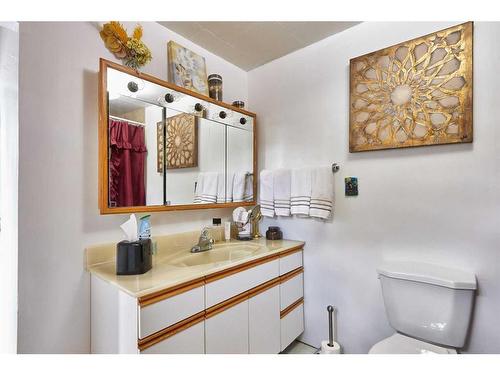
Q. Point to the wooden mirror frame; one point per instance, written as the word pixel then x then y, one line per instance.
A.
pixel 104 149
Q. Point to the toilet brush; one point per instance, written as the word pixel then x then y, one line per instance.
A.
pixel 330 346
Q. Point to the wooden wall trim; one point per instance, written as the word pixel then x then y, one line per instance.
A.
pixel 170 292
pixel 290 308
pixel 292 250
pixel 239 268
pixel 290 275
pixel 170 331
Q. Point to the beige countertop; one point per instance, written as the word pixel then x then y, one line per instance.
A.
pixel 168 269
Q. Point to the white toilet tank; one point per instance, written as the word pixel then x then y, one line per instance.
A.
pixel 427 301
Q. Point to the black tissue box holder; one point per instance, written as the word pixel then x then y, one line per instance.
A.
pixel 133 257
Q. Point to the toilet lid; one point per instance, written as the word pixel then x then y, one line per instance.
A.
pixel 401 344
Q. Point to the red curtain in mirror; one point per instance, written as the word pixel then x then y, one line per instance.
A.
pixel 126 165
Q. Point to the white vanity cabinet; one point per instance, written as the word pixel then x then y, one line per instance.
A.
pixel 254 307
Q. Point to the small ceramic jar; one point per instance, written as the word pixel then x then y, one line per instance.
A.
pixel 274 233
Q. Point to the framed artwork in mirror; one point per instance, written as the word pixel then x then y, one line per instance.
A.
pixel 160 147
pixel 181 144
pixel 186 68
pixel 415 93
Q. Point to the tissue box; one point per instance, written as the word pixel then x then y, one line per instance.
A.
pixel 133 257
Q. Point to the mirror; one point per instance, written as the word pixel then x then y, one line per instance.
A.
pixel 163 147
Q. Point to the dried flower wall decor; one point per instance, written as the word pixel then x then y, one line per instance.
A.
pixel 131 50
pixel 415 93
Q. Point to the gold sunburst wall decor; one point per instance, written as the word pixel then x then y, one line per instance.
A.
pixel 181 142
pixel 415 93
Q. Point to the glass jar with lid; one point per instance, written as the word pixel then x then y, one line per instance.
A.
pixel 215 86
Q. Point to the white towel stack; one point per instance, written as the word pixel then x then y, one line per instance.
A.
pixel 300 192
pixel 229 192
pixel 239 186
pixel 206 188
pixel 321 193
pixel 221 188
pixel 198 191
pixel 266 193
pixel 282 184
pixel 248 196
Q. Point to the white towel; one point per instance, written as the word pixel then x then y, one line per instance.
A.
pixel 239 186
pixel 321 193
pixel 266 193
pixel 248 196
pixel 221 188
pixel 229 192
pixel 300 192
pixel 282 184
pixel 198 191
pixel 209 192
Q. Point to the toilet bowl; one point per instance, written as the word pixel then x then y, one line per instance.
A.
pixel 429 306
pixel 401 344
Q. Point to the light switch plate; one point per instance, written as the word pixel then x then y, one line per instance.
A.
pixel 351 186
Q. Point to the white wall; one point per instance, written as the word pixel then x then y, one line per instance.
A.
pixel 58 215
pixel 437 204
pixel 9 60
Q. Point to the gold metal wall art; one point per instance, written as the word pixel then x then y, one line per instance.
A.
pixel 181 144
pixel 415 93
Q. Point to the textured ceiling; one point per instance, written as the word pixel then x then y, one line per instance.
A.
pixel 252 44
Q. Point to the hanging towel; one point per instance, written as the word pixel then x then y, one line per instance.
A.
pixel 209 192
pixel 221 188
pixel 321 193
pixel 282 183
pixel 198 190
pixel 248 196
pixel 229 192
pixel 266 193
pixel 300 192
pixel 239 186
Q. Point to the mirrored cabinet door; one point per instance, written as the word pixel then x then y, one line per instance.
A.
pixel 163 147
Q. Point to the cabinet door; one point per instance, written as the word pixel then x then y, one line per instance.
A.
pixel 227 332
pixel 264 322
pixel 188 341
pixel 292 325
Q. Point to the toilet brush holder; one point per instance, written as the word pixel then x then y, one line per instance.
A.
pixel 330 346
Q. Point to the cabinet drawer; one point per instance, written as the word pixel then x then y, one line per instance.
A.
pixel 290 262
pixel 291 290
pixel 222 289
pixel 292 325
pixel 162 314
pixel 188 341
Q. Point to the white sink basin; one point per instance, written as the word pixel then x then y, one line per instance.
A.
pixel 220 253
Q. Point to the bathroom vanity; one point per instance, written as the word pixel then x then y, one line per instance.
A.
pixel 239 297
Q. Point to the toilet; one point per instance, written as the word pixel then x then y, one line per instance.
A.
pixel 429 306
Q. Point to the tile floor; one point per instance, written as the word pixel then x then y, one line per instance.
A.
pixel 298 347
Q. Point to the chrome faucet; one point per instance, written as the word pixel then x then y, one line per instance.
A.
pixel 205 242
